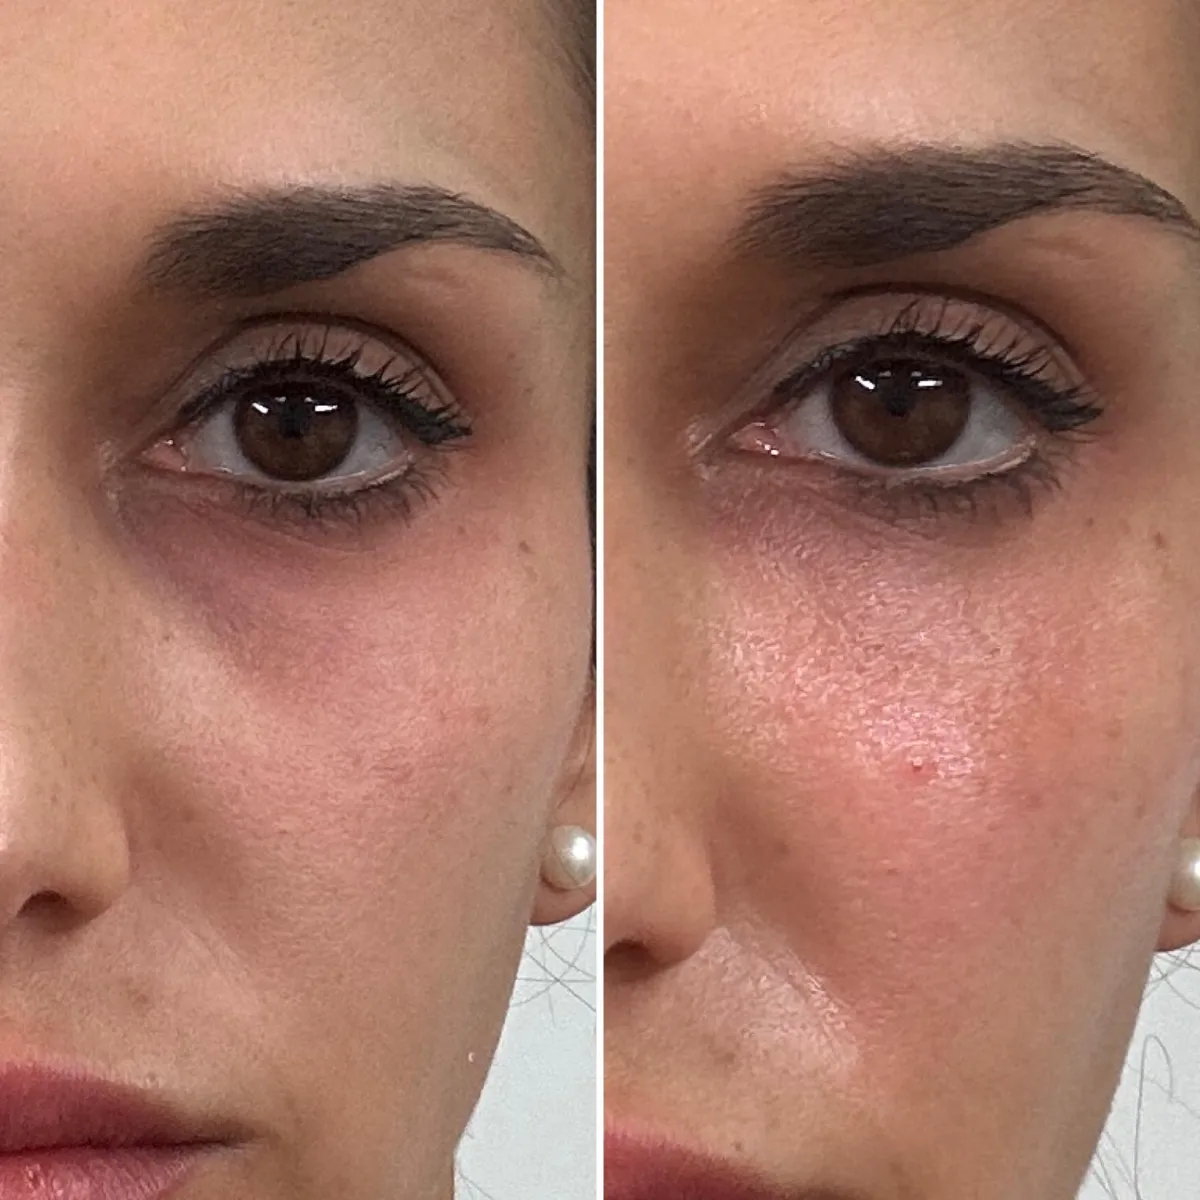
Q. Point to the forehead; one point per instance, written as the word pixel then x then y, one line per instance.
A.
pixel 779 82
pixel 109 100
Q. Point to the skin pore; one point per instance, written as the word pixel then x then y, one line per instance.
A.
pixel 897 757
pixel 278 759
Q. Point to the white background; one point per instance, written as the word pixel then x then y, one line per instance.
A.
pixel 533 1137
pixel 1151 1148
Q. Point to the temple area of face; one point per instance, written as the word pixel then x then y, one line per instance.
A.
pixel 884 204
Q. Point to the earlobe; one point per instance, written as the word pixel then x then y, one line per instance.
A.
pixel 1185 882
pixel 568 875
pixel 569 858
pixel 1181 927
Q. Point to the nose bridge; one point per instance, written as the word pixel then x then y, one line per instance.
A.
pixel 62 836
pixel 659 897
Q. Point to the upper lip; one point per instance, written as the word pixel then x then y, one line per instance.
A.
pixel 44 1107
pixel 637 1168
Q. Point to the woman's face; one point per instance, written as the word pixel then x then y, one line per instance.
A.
pixel 903 698
pixel 293 533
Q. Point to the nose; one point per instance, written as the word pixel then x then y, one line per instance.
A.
pixel 659 897
pixel 63 843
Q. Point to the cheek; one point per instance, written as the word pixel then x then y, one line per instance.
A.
pixel 353 758
pixel 957 759
pixel 437 675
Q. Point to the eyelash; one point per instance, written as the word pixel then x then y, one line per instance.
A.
pixel 1063 410
pixel 438 427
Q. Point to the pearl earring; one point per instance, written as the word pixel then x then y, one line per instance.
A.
pixel 569 858
pixel 1185 884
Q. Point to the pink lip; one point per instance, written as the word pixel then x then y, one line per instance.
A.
pixel 66 1135
pixel 640 1169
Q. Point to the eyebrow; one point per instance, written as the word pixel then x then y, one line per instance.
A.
pixel 255 243
pixel 888 204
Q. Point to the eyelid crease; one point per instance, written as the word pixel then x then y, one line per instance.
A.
pixel 1013 360
pixel 863 314
pixel 241 341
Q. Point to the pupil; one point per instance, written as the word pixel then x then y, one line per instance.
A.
pixel 293 432
pixel 903 412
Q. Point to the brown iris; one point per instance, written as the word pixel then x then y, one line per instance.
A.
pixel 901 412
pixel 295 431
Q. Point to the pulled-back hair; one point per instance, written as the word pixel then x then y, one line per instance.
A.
pixel 575 22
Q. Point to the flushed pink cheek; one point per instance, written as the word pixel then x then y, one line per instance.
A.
pixel 957 756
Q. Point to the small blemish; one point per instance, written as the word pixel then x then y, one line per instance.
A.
pixel 524 547
pixel 1160 542
pixel 918 768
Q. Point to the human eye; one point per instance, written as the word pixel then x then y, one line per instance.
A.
pixel 311 420
pixel 925 402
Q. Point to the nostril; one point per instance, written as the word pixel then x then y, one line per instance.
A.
pixel 50 909
pixel 628 962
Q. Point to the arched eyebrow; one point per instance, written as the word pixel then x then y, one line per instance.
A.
pixel 258 242
pixel 885 204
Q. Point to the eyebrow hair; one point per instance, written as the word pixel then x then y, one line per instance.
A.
pixel 257 242
pixel 887 204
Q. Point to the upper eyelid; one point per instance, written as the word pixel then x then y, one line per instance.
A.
pixel 756 396
pixel 1020 314
pixel 958 347
pixel 292 323
pixel 203 401
pixel 983 304
pixel 420 415
pixel 170 397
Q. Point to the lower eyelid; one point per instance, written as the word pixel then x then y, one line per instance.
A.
pixel 333 510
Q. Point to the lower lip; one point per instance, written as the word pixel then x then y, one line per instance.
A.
pixel 652 1170
pixel 633 1171
pixel 97 1172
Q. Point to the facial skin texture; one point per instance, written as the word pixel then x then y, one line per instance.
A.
pixel 273 791
pixel 891 796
